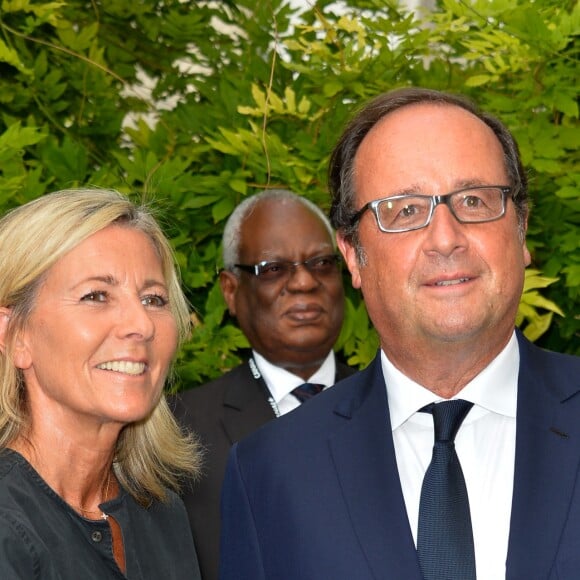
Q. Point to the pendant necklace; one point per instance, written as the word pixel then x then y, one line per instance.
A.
pixel 103 515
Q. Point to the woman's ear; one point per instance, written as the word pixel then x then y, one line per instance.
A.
pixel 21 354
pixel 5 314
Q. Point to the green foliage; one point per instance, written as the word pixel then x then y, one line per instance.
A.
pixel 194 105
pixel 530 315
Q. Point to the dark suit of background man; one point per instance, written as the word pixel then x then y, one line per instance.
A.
pixel 440 263
pixel 291 312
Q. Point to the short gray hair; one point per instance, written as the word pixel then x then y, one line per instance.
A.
pixel 232 231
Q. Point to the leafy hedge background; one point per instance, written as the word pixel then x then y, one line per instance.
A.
pixel 194 105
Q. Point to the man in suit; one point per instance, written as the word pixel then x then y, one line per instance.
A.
pixel 282 282
pixel 430 205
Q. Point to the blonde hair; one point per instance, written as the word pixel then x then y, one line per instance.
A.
pixel 151 454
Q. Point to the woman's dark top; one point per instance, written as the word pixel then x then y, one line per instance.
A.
pixel 42 537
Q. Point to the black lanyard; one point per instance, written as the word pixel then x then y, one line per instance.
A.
pixel 258 376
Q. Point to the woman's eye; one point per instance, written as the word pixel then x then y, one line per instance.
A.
pixel 95 296
pixel 154 300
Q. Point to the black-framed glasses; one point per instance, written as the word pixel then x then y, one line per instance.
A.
pixel 318 266
pixel 470 205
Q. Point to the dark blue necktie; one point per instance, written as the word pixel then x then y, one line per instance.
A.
pixel 445 536
pixel 307 391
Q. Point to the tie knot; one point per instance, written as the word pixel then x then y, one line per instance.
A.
pixel 447 417
pixel 307 391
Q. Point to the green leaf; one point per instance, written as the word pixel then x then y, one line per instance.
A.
pixel 534 279
pixel 478 80
pixel 222 209
pixel 10 56
pixel 17 138
pixel 538 326
pixel 238 185
pixel 290 97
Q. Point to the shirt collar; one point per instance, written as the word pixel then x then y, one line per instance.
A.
pixel 494 389
pixel 281 382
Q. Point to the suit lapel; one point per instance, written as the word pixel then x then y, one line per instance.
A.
pixel 343 371
pixel 547 438
pixel 364 458
pixel 245 406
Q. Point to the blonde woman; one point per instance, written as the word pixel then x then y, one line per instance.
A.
pixel 91 314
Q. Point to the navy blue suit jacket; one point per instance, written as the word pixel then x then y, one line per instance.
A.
pixel 316 495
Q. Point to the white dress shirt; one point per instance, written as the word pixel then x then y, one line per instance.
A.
pixel 281 382
pixel 485 446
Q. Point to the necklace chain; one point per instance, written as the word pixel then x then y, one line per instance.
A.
pixel 105 496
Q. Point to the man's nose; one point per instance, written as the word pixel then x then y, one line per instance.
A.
pixel 445 234
pixel 301 278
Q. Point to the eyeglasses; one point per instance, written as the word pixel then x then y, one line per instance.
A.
pixel 404 213
pixel 318 266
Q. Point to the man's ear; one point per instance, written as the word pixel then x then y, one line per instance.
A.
pixel 5 314
pixel 349 254
pixel 526 252
pixel 229 285
pixel 527 256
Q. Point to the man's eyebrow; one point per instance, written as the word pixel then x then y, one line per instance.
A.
pixel 417 189
pixel 472 183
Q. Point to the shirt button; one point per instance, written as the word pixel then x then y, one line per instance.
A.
pixel 96 537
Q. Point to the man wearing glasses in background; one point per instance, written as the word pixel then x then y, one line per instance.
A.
pixel 455 455
pixel 282 282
